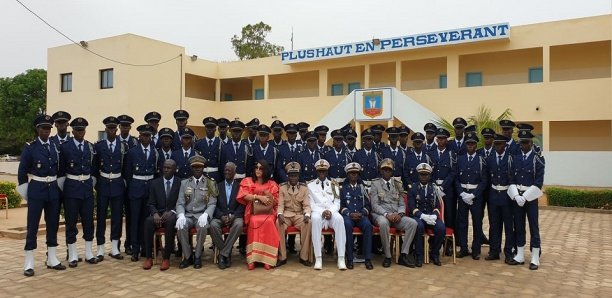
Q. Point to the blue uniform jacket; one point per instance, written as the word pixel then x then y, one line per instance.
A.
pixel 138 164
pixel 444 168
pixel 410 163
pixel 354 199
pixel 369 164
pixel 38 161
pixel 308 171
pixel 337 162
pixel 419 203
pixel 398 158
pixel 499 175
pixel 211 153
pixel 474 172
pixel 527 172
pixel 183 168
pixel 241 157
pixel 109 162
pixel 76 162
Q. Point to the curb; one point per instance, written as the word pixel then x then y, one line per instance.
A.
pixel 576 209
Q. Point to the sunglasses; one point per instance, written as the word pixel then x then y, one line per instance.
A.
pixel 258 167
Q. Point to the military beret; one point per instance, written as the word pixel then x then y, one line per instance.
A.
pixel 424 168
pixel 237 125
pixel 223 122
pixel 277 125
pixel 145 129
pixel 209 121
pixel 350 134
pixel 61 116
pixel 368 133
pixel 263 129
pixel 291 127
pixel 197 160
pixel 321 129
pixel 524 126
pixel 378 128
pixel 166 132
pixel 417 137
pixel 387 163
pixel 337 134
pixel 79 123
pixel 43 121
pixel 125 119
pixel 500 139
pixel 303 126
pixel 487 132
pixel 404 130
pixel 525 135
pixel 471 137
pixel 310 136
pixel 352 167
pixel 181 115
pixel 186 132
pixel 321 164
pixel 442 133
pixel 506 123
pixel 152 116
pixel 254 123
pixel 110 121
pixel 430 127
pixel 470 128
pixel 392 131
pixel 292 167
pixel 459 122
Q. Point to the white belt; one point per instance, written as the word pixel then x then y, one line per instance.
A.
pixel 44 179
pixel 439 182
pixel 78 177
pixel 499 187
pixel 110 175
pixel 469 186
pixel 522 188
pixel 210 170
pixel 144 178
pixel 339 180
pixel 239 176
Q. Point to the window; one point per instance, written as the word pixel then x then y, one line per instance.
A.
pixel 442 81
pixel 353 86
pixel 227 97
pixel 106 78
pixel 536 75
pixel 473 79
pixel 66 82
pixel 336 89
pixel 101 135
pixel 259 94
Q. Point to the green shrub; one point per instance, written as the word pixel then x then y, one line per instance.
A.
pixel 594 199
pixel 8 188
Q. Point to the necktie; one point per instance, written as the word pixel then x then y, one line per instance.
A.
pixel 394 153
pixel 186 155
pixel 322 186
pixel 426 190
pixel 368 154
pixel 419 157
pixel 524 157
pixel 197 181
pixel 439 154
pixel 81 147
pixel 62 141
pixel 293 188
pixel 167 155
pixel 168 186
pixel 146 151
pixel 46 145
pixel 292 148
pixel 499 157
pixel 312 154
pixel 110 146
pixel 388 185
pixel 235 148
pixel 487 152
pixel 210 143
pixel 470 158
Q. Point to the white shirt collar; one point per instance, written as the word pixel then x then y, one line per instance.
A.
pixel 527 154
pixel 472 155
pixel 76 143
pixel 111 143
pixel 41 141
pixel 171 180
pixel 188 151
pixel 143 147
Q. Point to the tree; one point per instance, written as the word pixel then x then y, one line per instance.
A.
pixel 22 98
pixel 252 42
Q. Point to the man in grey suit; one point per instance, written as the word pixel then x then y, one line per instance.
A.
pixel 195 206
pixel 388 210
pixel 228 213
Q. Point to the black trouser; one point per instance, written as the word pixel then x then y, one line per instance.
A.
pixel 128 216
pixel 138 212
pixel 149 231
pixel 73 209
pixel 501 219
pixel 529 210
pixel 116 204
pixel 35 210
pixel 462 229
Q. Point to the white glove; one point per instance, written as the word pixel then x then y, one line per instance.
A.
pixel 520 200
pixel 203 220
pixel 94 181
pixel 432 219
pixel 466 199
pixel 181 221
pixel 424 217
pixel 22 189
pixel 471 197
pixel 60 182
pixel 463 194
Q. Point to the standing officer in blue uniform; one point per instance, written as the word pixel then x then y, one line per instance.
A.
pixel 40 160
pixel 302 130
pixel 181 117
pixel 263 150
pixel 153 118
pixel 404 132
pixel 337 158
pixel 443 175
pixel 210 148
pixel 237 151
pixel 470 184
pixel 76 161
pixel 252 132
pixel 182 155
pixel 222 126
pixel 488 135
pixel 368 158
pixel 321 132
pixel 110 187
pixel 499 165
pixel 355 208
pixel 413 158
pixel 167 139
pixel 290 150
pixel 125 125
pixel 308 157
pixel 377 131
pixel 140 169
pixel 350 136
pixel 277 133
pixel 395 153
pixel 430 135
pixel 457 145
pixel 60 119
pixel 507 129
pixel 526 180
pixel 424 201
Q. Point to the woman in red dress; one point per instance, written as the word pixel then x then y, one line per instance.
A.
pixel 262 236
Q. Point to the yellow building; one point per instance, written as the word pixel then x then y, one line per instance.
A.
pixel 555 75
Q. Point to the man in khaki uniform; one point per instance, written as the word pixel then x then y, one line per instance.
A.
pixel 294 210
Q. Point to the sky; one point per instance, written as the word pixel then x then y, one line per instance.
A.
pixel 205 28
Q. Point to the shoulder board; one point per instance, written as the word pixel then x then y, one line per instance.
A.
pixel 376 179
pixel 30 142
pixel 302 183
pixel 284 183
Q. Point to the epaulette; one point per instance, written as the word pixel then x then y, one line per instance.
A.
pixel 302 183
pixel 284 183
pixel 376 179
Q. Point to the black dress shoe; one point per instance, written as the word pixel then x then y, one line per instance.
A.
pixel 128 250
pixel 406 261
pixel 280 262
pixel 349 265
pixel 533 266
pixel 476 256
pixel 387 262
pixel 513 262
pixel 117 256
pixel 463 253
pixel 369 265
pixel 186 263
pixel 491 257
pixel 435 261
pixel 222 263
pixel 305 263
pixel 197 263
pixel 100 258
pixel 72 264
pixel 134 258
pixel 92 261
pixel 28 272
pixel 57 267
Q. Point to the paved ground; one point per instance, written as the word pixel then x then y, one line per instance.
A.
pixel 577 261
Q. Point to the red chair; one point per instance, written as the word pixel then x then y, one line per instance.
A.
pixel 450 234
pixel 5 202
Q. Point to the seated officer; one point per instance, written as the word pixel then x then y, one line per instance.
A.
pixel 424 200
pixel 388 210
pixel 294 210
pixel 355 208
